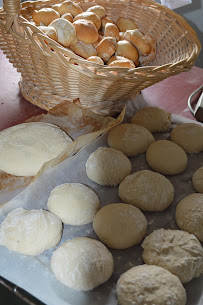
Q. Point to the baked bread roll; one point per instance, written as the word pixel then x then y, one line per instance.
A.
pixel 125 24
pixel 45 16
pixel 104 21
pixel 106 48
pixel 121 34
pixel 86 31
pixel 145 60
pixel 122 63
pixel 98 41
pixel 65 31
pixel 111 30
pixel 115 57
pixel 90 16
pixel 68 17
pixel 126 49
pixel 70 7
pixel 56 7
pixel 96 60
pixel 98 10
pixel 50 31
pixel 138 40
pixel 84 50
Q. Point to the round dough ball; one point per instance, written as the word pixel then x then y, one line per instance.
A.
pixel 90 16
pixel 98 10
pixel 30 232
pixel 24 148
pixel 120 225
pixel 107 166
pixel 86 31
pixel 150 285
pixel 75 203
pixel 147 190
pixel 189 214
pixel 177 251
pixel 166 157
pixel 130 139
pixel 66 33
pixel 197 180
pixel 189 136
pixel 152 118
pixel 82 263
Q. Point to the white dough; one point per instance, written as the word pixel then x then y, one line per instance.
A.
pixel 153 118
pixel 166 157
pixel 24 148
pixel 107 166
pixel 147 190
pixel 130 139
pixel 197 180
pixel 120 225
pixel 189 214
pixel 150 285
pixel 82 263
pixel 177 251
pixel 30 232
pixel 75 203
pixel 189 136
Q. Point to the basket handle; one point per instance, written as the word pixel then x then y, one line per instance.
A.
pixel 11 8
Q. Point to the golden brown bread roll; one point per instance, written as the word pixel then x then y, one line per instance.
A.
pixel 56 7
pixel 126 49
pixel 115 57
pixel 70 7
pixel 138 40
pixel 90 16
pixel 86 31
pixel 68 17
pixel 124 63
pixel 45 16
pixel 84 50
pixel 125 24
pixel 50 31
pixel 98 41
pixel 106 48
pixel 111 30
pixel 104 21
pixel 98 10
pixel 145 60
pixel 65 31
pixel 96 59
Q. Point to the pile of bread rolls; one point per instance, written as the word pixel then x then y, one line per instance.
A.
pixel 95 37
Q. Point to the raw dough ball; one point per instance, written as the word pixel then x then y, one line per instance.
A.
pixel 189 214
pixel 120 225
pixel 30 231
pixel 197 180
pixel 150 285
pixel 189 136
pixel 26 147
pixel 147 190
pixel 152 118
pixel 107 166
pixel 177 251
pixel 75 203
pixel 166 157
pixel 82 263
pixel 130 139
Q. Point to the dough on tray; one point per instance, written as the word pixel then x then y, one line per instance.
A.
pixel 197 180
pixel 147 190
pixel 107 166
pixel 75 203
pixel 130 139
pixel 82 263
pixel 166 157
pixel 189 214
pixel 153 118
pixel 150 285
pixel 120 225
pixel 24 148
pixel 189 136
pixel 177 251
pixel 30 232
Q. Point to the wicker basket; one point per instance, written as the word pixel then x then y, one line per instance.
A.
pixel 52 74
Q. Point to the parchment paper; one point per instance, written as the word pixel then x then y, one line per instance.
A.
pixel 33 273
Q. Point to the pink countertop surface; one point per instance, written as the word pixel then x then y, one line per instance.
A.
pixel 170 94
